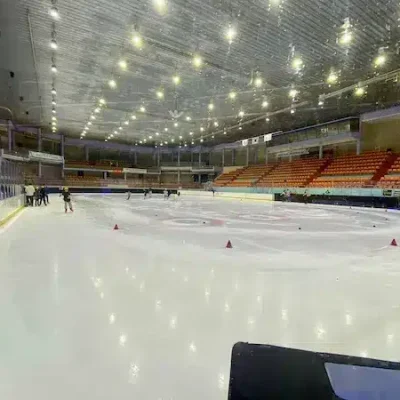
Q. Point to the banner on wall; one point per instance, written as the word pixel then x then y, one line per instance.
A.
pixel 245 142
pixel 268 137
pixel 45 157
pixel 255 140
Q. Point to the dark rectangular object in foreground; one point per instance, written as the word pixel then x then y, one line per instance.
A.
pixel 261 372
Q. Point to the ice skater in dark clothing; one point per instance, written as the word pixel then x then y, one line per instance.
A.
pixel 67 199
pixel 43 196
pixel 129 195
pixel 169 194
pixel 36 196
pixel 145 193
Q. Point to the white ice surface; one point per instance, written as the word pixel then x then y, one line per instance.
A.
pixel 151 311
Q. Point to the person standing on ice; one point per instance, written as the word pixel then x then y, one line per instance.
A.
pixel 129 195
pixel 67 199
pixel 165 194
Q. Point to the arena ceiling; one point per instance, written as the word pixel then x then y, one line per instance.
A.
pixel 194 70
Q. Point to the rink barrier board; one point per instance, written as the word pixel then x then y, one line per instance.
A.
pixel 10 207
pixel 229 195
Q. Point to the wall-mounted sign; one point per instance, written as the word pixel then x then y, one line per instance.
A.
pixel 45 157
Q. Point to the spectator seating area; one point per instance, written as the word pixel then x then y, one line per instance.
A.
pixel 293 173
pixel 226 178
pixel 352 170
pixel 376 168
pixel 248 176
pixel 392 179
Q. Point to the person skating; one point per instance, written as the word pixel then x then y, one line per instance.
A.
pixel 43 196
pixel 30 192
pixel 165 194
pixel 67 199
pixel 129 195
pixel 37 196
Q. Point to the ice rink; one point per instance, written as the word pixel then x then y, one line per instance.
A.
pixel 151 311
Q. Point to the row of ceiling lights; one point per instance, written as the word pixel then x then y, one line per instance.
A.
pixel 54 14
pixel 344 39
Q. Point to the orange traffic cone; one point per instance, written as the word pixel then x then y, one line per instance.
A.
pixel 229 245
pixel 116 227
pixel 394 243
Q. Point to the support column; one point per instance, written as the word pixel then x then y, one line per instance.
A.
pixel 158 158
pixel 39 140
pixel 87 153
pixel 255 155
pixel 358 148
pixel 10 136
pixel 266 155
pixel 105 175
pixel 62 148
pixel 223 157
pixel 179 164
pixel 247 155
pixel 39 148
pixel 290 157
pixel 191 157
pixel 199 156
pixel 125 176
pixel 233 157
pixel 135 158
pixel 321 152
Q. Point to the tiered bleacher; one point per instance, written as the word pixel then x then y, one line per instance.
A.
pixel 227 177
pixel 392 179
pixel 352 170
pixel 250 175
pixel 293 173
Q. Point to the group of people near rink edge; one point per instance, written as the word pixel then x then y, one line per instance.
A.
pixel 36 195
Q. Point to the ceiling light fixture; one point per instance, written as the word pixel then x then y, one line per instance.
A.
pixel 267 119
pixel 53 44
pixel 241 114
pixel 54 13
pixel 133 117
pixel 166 129
pixel 126 122
pixel 102 101
pixel 180 137
pixel 232 95
pixel 230 34
pixel 123 65
pixel 176 79
pixel 137 41
pixel 292 111
pixel 176 124
pixel 160 6
pixel 297 64
pixel 54 118
pixel 211 106
pixel 92 117
pixel 201 129
pixel 142 109
pixel 293 93
pixel 112 83
pixel 54 111
pixel 160 94
pixel 53 91
pixel 53 68
pixel 188 119
pixel 264 104
pixel 191 133
pixel 216 124
pixel 380 60
pixel 53 102
pixel 359 91
pixel 332 78
pixel 197 61
pixel 120 128
pixel 157 134
pixel 89 123
pixel 258 82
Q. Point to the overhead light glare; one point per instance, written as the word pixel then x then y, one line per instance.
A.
pixel 230 34
pixel 197 61
pixel 112 83
pixel 54 69
pixel 53 44
pixel 211 106
pixel 380 60
pixel 53 92
pixel 264 104
pixel 232 95
pixel 137 41
pixel 54 13
pixel 160 94
pixel 133 117
pixel 176 79
pixel 123 65
pixel 102 101
pixel 332 78
pixel 258 82
pixel 359 91
pixel 293 93
pixel 297 64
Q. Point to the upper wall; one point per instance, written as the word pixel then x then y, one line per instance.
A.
pixel 381 135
